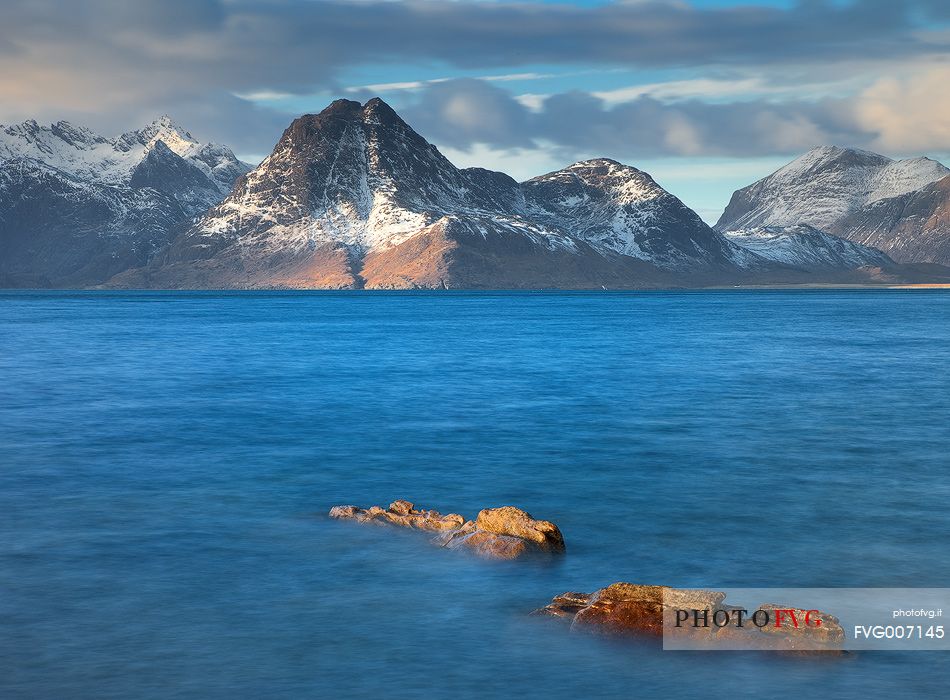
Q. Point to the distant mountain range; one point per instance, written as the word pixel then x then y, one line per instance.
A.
pixel 354 198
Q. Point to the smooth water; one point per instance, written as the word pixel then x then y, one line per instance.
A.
pixel 167 460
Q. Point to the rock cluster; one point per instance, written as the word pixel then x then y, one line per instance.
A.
pixel 402 513
pixel 624 609
pixel 496 533
pixel 629 609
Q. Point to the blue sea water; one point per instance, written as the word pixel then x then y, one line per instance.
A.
pixel 167 461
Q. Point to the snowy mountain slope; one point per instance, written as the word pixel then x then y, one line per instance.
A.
pixel 622 209
pixel 805 247
pixel 823 187
pixel 76 207
pixel 87 156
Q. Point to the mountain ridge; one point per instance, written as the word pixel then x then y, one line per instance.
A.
pixel 353 197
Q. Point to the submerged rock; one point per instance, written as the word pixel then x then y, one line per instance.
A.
pixel 628 609
pixel 496 533
pixel 485 544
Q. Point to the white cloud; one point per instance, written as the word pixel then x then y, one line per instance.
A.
pixel 910 113
pixel 532 101
pixel 699 87
pixel 263 95
pixel 741 87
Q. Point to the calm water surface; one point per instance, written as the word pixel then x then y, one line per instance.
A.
pixel 167 460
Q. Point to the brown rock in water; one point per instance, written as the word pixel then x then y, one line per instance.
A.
pixel 627 608
pixel 515 522
pixel 499 533
pixel 401 507
pixel 402 513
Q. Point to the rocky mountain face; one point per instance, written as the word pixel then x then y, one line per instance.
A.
pixel 77 208
pixel 899 207
pixel 353 197
pixel 913 227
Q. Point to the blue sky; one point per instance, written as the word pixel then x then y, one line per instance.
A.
pixel 706 95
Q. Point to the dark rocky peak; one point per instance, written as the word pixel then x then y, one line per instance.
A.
pixel 343 110
pixel 340 115
pixel 376 110
pixel 165 171
pixel 78 136
pixel 346 116
pixel 350 150
pixel 161 164
pixel 493 178
pixel 26 129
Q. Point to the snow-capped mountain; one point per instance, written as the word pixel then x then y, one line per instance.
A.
pixel 806 248
pixel 823 187
pixel 346 188
pixel 86 156
pixel 897 206
pixel 619 208
pixel 77 207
